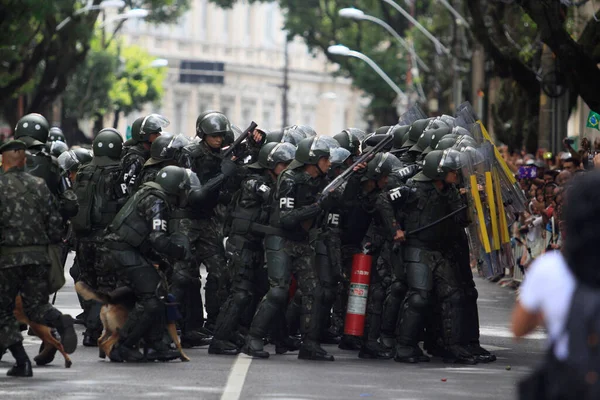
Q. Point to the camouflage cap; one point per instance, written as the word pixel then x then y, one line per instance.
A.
pixel 13 145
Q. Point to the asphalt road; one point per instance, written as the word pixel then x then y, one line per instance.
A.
pixel 284 377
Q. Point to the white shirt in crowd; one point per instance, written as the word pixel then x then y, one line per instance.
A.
pixel 548 288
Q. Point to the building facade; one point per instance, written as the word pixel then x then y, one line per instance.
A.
pixel 234 61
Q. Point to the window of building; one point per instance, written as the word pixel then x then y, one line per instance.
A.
pixel 226 25
pixel 268 26
pixel 203 18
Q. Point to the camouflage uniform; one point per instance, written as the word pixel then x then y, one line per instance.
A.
pixel 133 161
pixel 29 221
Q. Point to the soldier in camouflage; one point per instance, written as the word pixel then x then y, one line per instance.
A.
pixel 29 222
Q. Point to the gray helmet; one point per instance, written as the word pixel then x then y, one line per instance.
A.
pixel 108 143
pixel 438 163
pixel 33 125
pixel 415 131
pixel 56 134
pixel 213 123
pixel 436 135
pixel 381 165
pixel 310 151
pixel 272 154
pixel 349 139
pixel 338 156
pixel 57 148
pixel 157 150
pixel 174 180
pixel 143 127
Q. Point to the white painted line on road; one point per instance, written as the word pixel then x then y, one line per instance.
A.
pixel 504 332
pixel 237 377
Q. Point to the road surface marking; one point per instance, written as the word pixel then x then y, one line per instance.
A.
pixel 237 377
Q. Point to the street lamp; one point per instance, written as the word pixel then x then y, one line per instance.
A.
pixel 438 45
pixel 106 4
pixel 340 50
pixel 133 13
pixel 355 13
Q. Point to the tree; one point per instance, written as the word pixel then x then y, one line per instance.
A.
pixel 114 79
pixel 37 59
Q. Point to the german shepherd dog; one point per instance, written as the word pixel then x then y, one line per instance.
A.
pixel 113 315
pixel 41 331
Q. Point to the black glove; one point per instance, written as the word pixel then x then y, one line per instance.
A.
pixel 179 246
pixel 326 202
pixel 228 167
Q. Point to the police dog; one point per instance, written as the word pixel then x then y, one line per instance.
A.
pixel 113 315
pixel 41 331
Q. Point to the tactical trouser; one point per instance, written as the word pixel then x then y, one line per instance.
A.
pixel 285 257
pixel 462 265
pixel 395 295
pixel 147 319
pixel 380 280
pixel 210 252
pixel 87 259
pixel 328 261
pixel 247 259
pixel 31 282
pixel 428 272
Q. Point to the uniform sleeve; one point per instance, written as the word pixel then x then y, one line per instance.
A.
pixel 457 201
pixel 386 214
pixel 290 216
pixel 257 188
pixel 131 169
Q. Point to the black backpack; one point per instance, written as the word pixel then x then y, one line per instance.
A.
pixel 577 377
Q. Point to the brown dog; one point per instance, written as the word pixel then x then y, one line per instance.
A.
pixel 113 315
pixel 41 331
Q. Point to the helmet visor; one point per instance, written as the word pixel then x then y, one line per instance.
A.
pixel 282 153
pixel 177 142
pixel 154 123
pixel 68 161
pixel 338 155
pixel 193 182
pixel 451 160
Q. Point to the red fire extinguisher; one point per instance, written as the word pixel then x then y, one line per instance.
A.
pixel 358 293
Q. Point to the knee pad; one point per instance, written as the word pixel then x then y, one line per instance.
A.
pixel 398 289
pixel 278 295
pixel 418 300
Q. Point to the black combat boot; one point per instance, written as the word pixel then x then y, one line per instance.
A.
pixel 122 353
pixel 410 354
pixel 254 347
pixel 64 326
pixel 457 354
pixel 223 347
pixel 195 339
pixel 47 353
pixel 480 354
pixel 286 344
pixel 387 341
pixel 160 351
pixel 311 350
pixel 372 349
pixel 349 342
pixel 22 367
pixel 90 337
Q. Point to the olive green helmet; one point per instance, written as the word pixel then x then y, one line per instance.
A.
pixel 57 148
pixel 436 135
pixel 157 150
pixel 56 134
pixel 446 142
pixel 34 126
pixel 415 131
pixel 350 139
pixel 310 151
pixel 423 142
pixel 143 127
pixel 274 153
pixel 108 143
pixel 381 165
pixel 174 180
pixel 438 163
pixel 213 123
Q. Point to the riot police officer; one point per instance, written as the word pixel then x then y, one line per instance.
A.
pixel 137 234
pixel 431 196
pixel 249 223
pixel 33 130
pixel 101 194
pixel 161 155
pixel 55 134
pixel 295 212
pixel 144 131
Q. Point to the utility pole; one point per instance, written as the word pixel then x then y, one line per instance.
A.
pixel 457 81
pixel 285 86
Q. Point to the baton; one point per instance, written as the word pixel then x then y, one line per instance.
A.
pixel 239 140
pixel 453 213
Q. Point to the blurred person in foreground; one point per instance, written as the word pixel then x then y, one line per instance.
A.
pixel 561 291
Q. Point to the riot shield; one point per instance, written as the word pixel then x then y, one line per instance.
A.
pixel 413 114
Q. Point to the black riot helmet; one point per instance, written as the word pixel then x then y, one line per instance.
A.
pixel 438 163
pixel 415 131
pixel 436 135
pixel 71 160
pixel 57 148
pixel 56 134
pixel 108 143
pixel 34 126
pixel 213 123
pixel 310 151
pixel 174 180
pixel 83 155
pixel 273 153
pixel 173 150
pixel 157 150
pixel 381 165
pixel 143 127
pixel 231 136
pixel 350 139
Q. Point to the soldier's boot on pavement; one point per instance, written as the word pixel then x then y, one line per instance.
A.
pixel 90 337
pixel 223 347
pixel 349 342
pixel 160 351
pixel 373 349
pixel 47 353
pixel 410 354
pixel 480 354
pixel 254 347
pixel 388 341
pixel 457 354
pixel 287 344
pixel 195 339
pixel 64 325
pixel 22 367
pixel 122 353
pixel 311 350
